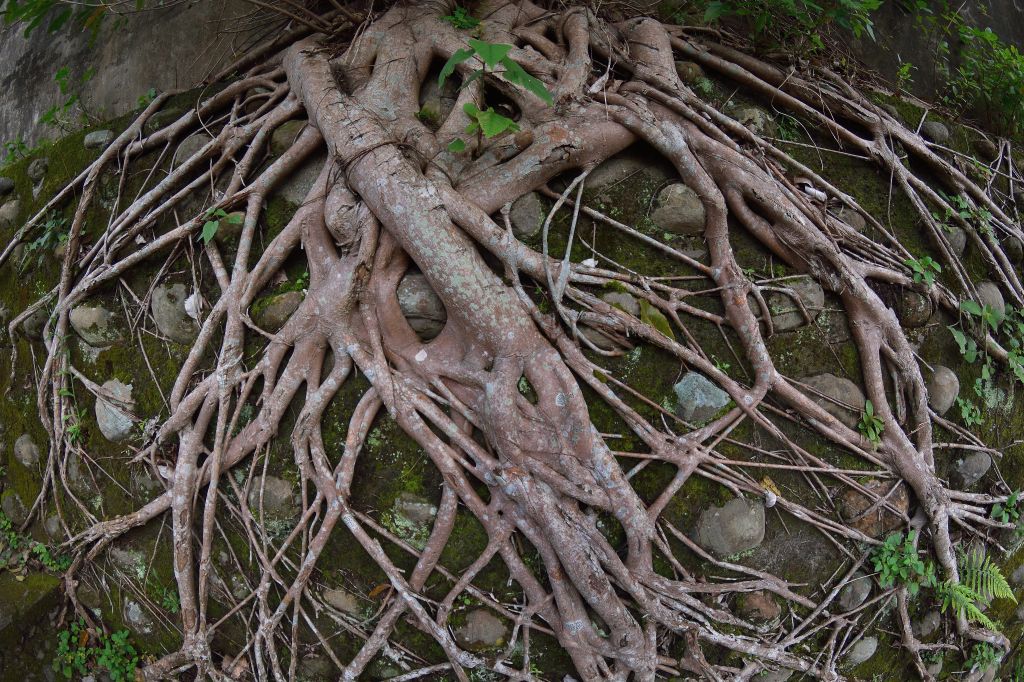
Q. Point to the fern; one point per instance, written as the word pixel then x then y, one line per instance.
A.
pixel 979 573
pixel 963 601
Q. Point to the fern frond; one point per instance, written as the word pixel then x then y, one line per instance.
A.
pixel 963 600
pixel 983 576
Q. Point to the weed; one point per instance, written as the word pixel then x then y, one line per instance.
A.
pixel 870 426
pixel 81 650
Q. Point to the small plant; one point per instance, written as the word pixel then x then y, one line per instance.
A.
pixel 212 224
pixel 898 563
pixel 983 656
pixel 169 600
pixel 54 232
pixel 13 150
pixel 924 269
pixel 461 19
pixel 969 412
pixel 81 651
pixel 870 426
pixel 145 98
pixel 1009 511
pixel 981 582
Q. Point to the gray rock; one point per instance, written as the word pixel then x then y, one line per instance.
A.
pixel 913 309
pixel 6 186
pixel 482 630
pixel 169 313
pixel 285 135
pixel 759 606
pixel 973 467
pixel 936 132
pixel 162 119
pixel 297 186
pixel 623 301
pixel 94 325
pixel 786 313
pixel 855 592
pixel 989 294
pixel 598 338
pixel 26 451
pixel 1017 577
pixel 679 211
pixel 15 509
pixel 698 399
pixel 276 310
pixel 865 515
pixel 862 651
pixel 114 417
pixel 757 120
pixel 417 509
pixel 852 218
pixel 527 215
pixel 437 103
pixel 136 617
pixel 421 306
pixel 985 148
pixel 735 527
pixel 957 240
pixel 37 169
pixel 52 527
pixel 9 213
pixel 191 145
pixel 98 139
pixel 618 169
pixel 35 323
pixel 891 110
pixel 1014 248
pixel 344 601
pixel 1020 612
pixel 841 389
pixel 278 495
pixel 689 72
pixel 927 624
pixel 943 388
pixel 780 675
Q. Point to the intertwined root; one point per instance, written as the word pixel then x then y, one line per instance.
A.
pixel 390 194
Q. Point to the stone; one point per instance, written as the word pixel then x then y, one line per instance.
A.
pixel 862 651
pixel 598 338
pixel 162 119
pixel 13 507
pixel 757 120
pixel 1017 577
pixel 421 306
pixel 989 294
pixel 780 675
pixel 854 508
pixel 1014 248
pixel 698 399
pixel 52 527
pixel 297 186
pixel 344 601
pixel 26 451
pixel 9 212
pixel 275 311
pixel 527 215
pixel 957 240
pixel 622 300
pixel 482 630
pixel 689 72
pixel 855 592
pixel 114 417
pixel 943 388
pixel 437 102
pixel 136 617
pixel 285 135
pixel 913 309
pixel 278 497
pixel 36 170
pixel 852 218
pixel 191 145
pixel 93 323
pixel 973 467
pixel 759 606
pixel 679 211
pixel 838 389
pixel 618 169
pixel 172 321
pixel 891 110
pixel 98 139
pixel 415 508
pixel 25 601
pixel 6 186
pixel 927 624
pixel 985 148
pixel 735 527
pixel 786 314
pixel 35 323
pixel 936 132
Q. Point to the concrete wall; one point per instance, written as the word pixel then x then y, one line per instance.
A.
pixel 163 48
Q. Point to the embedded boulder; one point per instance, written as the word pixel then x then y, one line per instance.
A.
pixel 735 527
pixel 114 416
pixel 870 516
pixel 421 306
pixel 698 399
pixel 93 323
pixel 679 211
pixel 943 387
pixel 274 311
pixel 989 294
pixel 9 212
pixel 936 132
pixel 855 592
pixel 98 139
pixel 170 315
pixel 973 467
pixel 26 451
pixel 785 310
pixel 837 389
pixel 482 630
pixel 526 215
pixel 622 300
pixel 862 651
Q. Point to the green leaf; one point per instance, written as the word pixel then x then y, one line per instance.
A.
pixel 457 146
pixel 491 53
pixel 517 75
pixel 453 61
pixel 971 308
pixel 209 230
pixel 235 219
pixel 714 11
